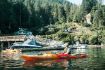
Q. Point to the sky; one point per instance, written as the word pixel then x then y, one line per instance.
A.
pixel 78 2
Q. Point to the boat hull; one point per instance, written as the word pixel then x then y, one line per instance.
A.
pixel 52 57
pixel 26 46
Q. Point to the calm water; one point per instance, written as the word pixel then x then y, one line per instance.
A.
pixel 95 61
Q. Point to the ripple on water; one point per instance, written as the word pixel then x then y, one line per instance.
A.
pixel 11 64
pixel 90 63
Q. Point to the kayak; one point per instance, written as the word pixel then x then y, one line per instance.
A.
pixel 52 56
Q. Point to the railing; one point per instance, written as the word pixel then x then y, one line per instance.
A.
pixel 12 38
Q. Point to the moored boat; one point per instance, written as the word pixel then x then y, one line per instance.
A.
pixel 30 42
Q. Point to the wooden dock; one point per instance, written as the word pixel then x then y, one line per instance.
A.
pixel 6 41
pixel 12 38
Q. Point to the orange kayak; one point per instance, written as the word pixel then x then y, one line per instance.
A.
pixel 52 56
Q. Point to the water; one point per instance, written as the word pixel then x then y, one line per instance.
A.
pixel 95 61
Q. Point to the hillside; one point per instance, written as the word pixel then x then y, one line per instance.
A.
pixel 58 19
pixel 72 32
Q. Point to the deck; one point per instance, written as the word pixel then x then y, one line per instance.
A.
pixel 12 38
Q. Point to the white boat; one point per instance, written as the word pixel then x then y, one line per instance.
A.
pixel 80 48
pixel 29 43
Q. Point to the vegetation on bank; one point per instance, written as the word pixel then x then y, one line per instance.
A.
pixel 72 32
pixel 55 19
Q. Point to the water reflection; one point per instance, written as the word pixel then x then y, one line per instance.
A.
pixel 10 64
pixel 56 64
pixel 95 61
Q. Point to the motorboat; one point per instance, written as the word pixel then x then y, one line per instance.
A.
pixel 30 42
pixel 80 48
pixel 26 45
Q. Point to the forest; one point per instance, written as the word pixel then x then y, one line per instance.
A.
pixel 52 17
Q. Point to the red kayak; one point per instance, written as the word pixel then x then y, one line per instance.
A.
pixel 52 56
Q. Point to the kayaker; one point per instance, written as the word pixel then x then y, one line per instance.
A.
pixel 67 49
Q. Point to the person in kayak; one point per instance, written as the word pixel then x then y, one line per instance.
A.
pixel 67 49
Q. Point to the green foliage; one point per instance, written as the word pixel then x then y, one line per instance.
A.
pixel 87 5
pixel 99 16
pixel 36 15
pixel 32 14
pixel 85 8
